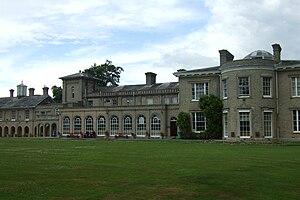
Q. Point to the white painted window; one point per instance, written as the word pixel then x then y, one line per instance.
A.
pixel 89 125
pixel 244 86
pixel 127 124
pixel 225 123
pixel 101 127
pixel 66 125
pixel 77 125
pixel 114 125
pixel 244 123
pixel 199 90
pixel 296 86
pixel 198 122
pixel 155 126
pixel 296 121
pixel 268 127
pixel 267 92
pixel 141 126
pixel 225 88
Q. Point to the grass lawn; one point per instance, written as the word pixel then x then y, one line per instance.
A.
pixel 95 169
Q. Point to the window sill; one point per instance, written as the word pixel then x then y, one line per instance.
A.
pixel 243 97
pixel 267 97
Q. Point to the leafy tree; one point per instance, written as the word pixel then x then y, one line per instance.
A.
pixel 57 94
pixel 184 124
pixel 212 107
pixel 107 73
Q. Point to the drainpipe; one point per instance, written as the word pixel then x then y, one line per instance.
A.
pixel 277 103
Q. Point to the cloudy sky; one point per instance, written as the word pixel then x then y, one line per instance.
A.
pixel 42 40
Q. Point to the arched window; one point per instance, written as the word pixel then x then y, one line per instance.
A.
pixel 155 126
pixel 73 92
pixel 77 125
pixel 127 124
pixel 101 126
pixel 89 126
pixel 114 125
pixel 141 126
pixel 66 125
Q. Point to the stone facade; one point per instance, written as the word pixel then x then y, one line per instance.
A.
pixel 260 94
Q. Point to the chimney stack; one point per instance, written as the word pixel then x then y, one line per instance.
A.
pixel 45 91
pixel 11 93
pixel 150 78
pixel 225 56
pixel 31 91
pixel 276 52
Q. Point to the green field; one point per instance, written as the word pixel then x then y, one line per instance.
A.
pixel 98 169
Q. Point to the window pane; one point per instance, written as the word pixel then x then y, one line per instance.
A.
pixel 155 127
pixel 198 90
pixel 266 86
pixel 198 122
pixel 267 124
pixel 244 124
pixel 114 125
pixel 128 125
pixel 101 126
pixel 141 126
pixel 244 86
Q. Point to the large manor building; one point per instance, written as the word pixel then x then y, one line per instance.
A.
pixel 260 94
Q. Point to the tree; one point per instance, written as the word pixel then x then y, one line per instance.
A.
pixel 212 107
pixel 184 124
pixel 57 94
pixel 107 73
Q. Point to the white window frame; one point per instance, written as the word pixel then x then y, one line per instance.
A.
pixel 199 90
pixel 296 121
pixel 114 125
pixel 267 87
pixel 239 123
pixel 225 124
pixel 196 127
pixel 155 126
pixel 66 125
pixel 77 124
pixel 141 126
pixel 270 124
pixel 89 124
pixel 225 88
pixel 101 126
pixel 295 83
pixel 127 124
pixel 242 87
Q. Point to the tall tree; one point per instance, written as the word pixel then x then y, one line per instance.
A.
pixel 107 73
pixel 57 94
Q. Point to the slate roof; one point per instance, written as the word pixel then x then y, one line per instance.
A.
pixel 141 87
pixel 78 75
pixel 23 102
pixel 199 71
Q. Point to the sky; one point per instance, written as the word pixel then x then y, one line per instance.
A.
pixel 43 40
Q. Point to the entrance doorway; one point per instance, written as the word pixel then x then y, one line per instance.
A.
pixel 173 127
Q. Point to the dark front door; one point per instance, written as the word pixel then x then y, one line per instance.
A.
pixel 173 128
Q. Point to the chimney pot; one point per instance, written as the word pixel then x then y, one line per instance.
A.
pixel 45 91
pixel 31 91
pixel 11 93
